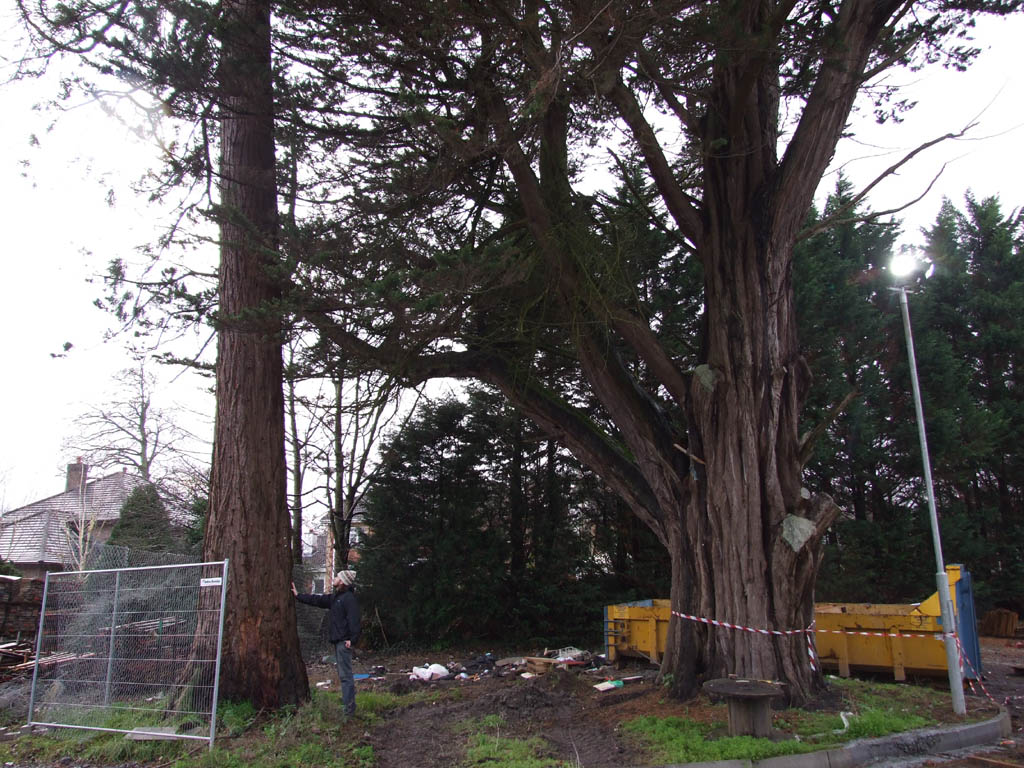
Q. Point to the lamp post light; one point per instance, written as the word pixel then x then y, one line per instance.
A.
pixel 899 268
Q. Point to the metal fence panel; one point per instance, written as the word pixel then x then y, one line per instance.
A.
pixel 133 650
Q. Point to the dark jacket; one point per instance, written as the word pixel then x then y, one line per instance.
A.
pixel 343 619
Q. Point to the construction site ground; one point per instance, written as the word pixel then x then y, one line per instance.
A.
pixel 577 723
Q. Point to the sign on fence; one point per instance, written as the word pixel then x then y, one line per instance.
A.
pixel 133 650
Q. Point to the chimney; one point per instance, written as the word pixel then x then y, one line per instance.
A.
pixel 76 475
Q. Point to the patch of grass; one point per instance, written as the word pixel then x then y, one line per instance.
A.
pixel 280 723
pixel 485 746
pixel 879 709
pixel 363 756
pixel 115 748
pixel 492 721
pixel 884 708
pixel 806 725
pixel 236 717
pixel 378 702
pixel 501 752
pixel 34 747
pixel 875 722
pixel 217 758
pixel 678 740
pixel 308 736
pixel 92 746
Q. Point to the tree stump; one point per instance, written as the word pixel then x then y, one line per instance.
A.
pixel 749 704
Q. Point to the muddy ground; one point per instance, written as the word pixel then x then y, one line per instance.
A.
pixel 582 725
pixel 579 724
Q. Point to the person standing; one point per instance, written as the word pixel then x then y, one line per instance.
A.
pixel 343 629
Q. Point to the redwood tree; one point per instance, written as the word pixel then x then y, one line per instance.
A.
pixel 210 68
pixel 248 519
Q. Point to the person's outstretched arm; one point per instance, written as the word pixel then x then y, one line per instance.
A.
pixel 320 601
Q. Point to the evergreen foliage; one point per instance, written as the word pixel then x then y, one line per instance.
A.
pixel 439 562
pixel 144 523
pixel 969 342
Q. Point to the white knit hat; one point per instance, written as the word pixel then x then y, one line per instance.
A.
pixel 348 578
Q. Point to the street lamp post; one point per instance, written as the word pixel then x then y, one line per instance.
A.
pixel 956 685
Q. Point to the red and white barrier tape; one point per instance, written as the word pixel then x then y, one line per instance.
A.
pixel 811 631
pixel 727 625
pixel 965 658
pixel 811 654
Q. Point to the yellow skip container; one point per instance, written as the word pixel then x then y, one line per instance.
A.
pixel 865 636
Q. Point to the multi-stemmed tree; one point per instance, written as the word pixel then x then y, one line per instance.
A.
pixel 469 244
pixel 446 207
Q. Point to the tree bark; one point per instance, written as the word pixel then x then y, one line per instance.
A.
pixel 248 520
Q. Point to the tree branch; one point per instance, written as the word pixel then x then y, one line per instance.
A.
pixel 854 201
pixel 809 438
pixel 859 23
pixel 681 206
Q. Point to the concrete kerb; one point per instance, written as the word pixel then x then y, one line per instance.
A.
pixel 910 744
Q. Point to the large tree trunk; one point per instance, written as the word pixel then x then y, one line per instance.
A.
pixel 752 536
pixel 757 537
pixel 248 512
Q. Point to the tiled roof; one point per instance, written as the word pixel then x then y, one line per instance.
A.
pixel 37 531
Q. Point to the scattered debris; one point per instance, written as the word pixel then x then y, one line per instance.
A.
pixel 430 672
pixel 541 664
pixel 16 653
pixel 572 654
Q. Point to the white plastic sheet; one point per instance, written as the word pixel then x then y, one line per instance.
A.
pixel 429 672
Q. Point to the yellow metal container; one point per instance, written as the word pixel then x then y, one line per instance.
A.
pixel 639 630
pixel 918 650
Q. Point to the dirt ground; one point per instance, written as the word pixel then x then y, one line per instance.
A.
pixel 582 725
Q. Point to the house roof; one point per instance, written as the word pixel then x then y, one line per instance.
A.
pixel 36 532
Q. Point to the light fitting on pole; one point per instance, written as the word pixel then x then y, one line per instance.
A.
pixel 904 264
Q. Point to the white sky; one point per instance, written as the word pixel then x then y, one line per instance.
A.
pixel 59 232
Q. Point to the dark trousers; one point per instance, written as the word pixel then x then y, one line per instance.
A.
pixel 343 657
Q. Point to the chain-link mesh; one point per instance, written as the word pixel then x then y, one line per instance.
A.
pixel 311 621
pixel 109 556
pixel 131 650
